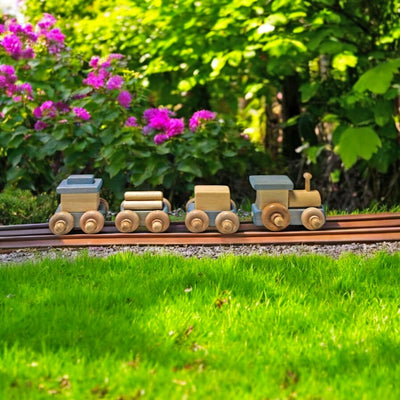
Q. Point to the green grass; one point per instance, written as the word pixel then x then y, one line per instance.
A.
pixel 165 327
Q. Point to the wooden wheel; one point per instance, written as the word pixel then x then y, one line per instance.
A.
pixel 157 221
pixel 105 203
pixel 197 221
pixel 190 201
pixel 91 222
pixel 127 221
pixel 312 218
pixel 227 222
pixel 166 201
pixel 61 223
pixel 275 216
pixel 233 204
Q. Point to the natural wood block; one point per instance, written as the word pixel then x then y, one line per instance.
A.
pixel 142 205
pixel 304 198
pixel 264 197
pixel 212 197
pixel 143 195
pixel 79 202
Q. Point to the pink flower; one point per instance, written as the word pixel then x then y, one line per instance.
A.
pixel 124 99
pixel 13 45
pixel 27 53
pixel 46 22
pixel 151 113
pixel 28 31
pixel 62 107
pixel 115 82
pixel 40 125
pixel 198 116
pixel 93 80
pixel 160 138
pixel 81 113
pixel 25 88
pixel 37 112
pixel 55 35
pixel 8 74
pixel 131 122
pixel 94 61
pixel 175 127
pixel 14 27
pixel 115 56
pixel 157 118
pixel 48 109
pixel 55 41
pixel 147 130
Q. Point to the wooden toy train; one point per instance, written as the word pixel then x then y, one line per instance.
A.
pixel 277 206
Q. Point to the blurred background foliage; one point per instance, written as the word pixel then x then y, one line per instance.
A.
pixel 315 82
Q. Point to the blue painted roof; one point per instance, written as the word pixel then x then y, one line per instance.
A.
pixel 85 183
pixel 271 182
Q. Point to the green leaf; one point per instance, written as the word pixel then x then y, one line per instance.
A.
pixel 357 142
pixel 379 78
pixel 344 60
pixel 309 90
pixel 190 167
pixel 383 112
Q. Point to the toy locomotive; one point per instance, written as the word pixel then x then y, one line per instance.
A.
pixel 277 205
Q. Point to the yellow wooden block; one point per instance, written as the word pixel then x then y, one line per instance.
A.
pixel 143 195
pixel 212 197
pixel 142 205
pixel 79 202
pixel 304 198
pixel 264 197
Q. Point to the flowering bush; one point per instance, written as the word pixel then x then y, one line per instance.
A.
pixel 63 115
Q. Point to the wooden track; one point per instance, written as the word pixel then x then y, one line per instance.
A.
pixel 366 228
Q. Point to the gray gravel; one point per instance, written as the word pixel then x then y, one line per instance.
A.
pixel 335 251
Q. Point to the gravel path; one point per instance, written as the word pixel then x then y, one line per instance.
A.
pixel 19 256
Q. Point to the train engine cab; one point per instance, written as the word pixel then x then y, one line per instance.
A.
pixel 80 205
pixel 211 207
pixel 277 205
pixel 143 209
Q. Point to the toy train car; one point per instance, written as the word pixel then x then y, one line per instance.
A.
pixel 277 206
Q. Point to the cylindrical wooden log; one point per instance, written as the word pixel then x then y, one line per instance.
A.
pixel 142 205
pixel 143 195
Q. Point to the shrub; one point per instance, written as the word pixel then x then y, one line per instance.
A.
pixel 22 207
pixel 63 114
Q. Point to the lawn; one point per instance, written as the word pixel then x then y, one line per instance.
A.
pixel 166 327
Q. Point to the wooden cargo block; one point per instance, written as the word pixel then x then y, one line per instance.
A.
pixel 264 197
pixel 143 195
pixel 142 205
pixel 79 202
pixel 212 197
pixel 304 198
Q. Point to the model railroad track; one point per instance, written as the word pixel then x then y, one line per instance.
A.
pixel 365 228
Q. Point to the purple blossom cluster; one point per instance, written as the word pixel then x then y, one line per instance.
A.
pixel 131 122
pixel 49 111
pixel 198 117
pixel 8 79
pixel 18 40
pixel 159 119
pixel 101 77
